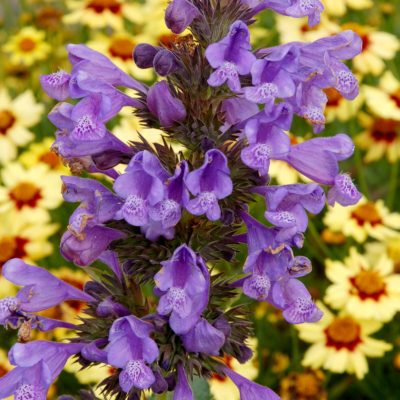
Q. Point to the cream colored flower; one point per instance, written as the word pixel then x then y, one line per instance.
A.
pixel 16 116
pixel 29 192
pixel 27 47
pixel 338 8
pixel 25 240
pixel 364 288
pixel 364 219
pixel 384 100
pixel 40 153
pixel 119 48
pixel 391 247
pixel 341 343
pixel 381 138
pixel 100 13
pixel 377 47
pixel 222 388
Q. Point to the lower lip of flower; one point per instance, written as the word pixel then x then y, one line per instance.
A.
pixel 343 332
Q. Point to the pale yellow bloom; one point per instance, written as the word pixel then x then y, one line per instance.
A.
pixel 390 246
pixel 29 192
pixel 338 8
pixel 222 388
pixel 381 138
pixel 16 116
pixel 100 13
pixel 364 288
pixel 341 343
pixel 384 100
pixel 377 47
pixel 365 219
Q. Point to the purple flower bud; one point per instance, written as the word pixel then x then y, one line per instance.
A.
pixel 182 390
pixel 180 14
pixel 56 85
pixel 164 106
pixel 144 55
pixel 165 63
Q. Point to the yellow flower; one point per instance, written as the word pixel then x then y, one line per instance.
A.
pixel 16 116
pixel 338 8
pixel 29 192
pixel 384 101
pixel 339 108
pixel 369 290
pixel 99 13
pixel 27 47
pixel 306 385
pixel 25 240
pixel 40 153
pixel 377 47
pixel 297 29
pixel 381 138
pixel 390 247
pixel 119 48
pixel 364 219
pixel 222 388
pixel 341 343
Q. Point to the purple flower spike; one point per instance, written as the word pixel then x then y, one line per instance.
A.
pixel 231 57
pixel 343 191
pixel 131 348
pixel 41 290
pixel 180 14
pixel 183 284
pixel 209 183
pixel 182 390
pixel 141 186
pixel 56 85
pixel 37 365
pixel 167 108
pixel 250 390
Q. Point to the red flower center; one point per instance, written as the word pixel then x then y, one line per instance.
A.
pixel 7 120
pixel 343 332
pixel 366 213
pixel 99 6
pixel 385 130
pixel 369 285
pixel 122 48
pixel 25 194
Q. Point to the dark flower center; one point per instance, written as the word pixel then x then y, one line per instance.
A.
pixel 334 97
pixel 369 285
pixel 51 159
pixel 99 6
pixel 26 45
pixel 122 48
pixel 12 247
pixel 366 213
pixel 343 332
pixel 7 120
pixel 25 194
pixel 396 97
pixel 385 130
pixel 307 385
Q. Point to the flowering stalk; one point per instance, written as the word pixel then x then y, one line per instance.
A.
pixel 170 218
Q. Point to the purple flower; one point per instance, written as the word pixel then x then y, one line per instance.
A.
pixel 231 57
pixel 237 111
pixel 41 290
pixel 131 348
pixel 141 186
pixel 37 365
pixel 180 14
pixel 343 191
pixel 250 390
pixel 287 205
pixel 182 390
pixel 144 54
pixel 165 62
pixel 167 108
pixel 183 286
pixel 209 183
pixel 56 85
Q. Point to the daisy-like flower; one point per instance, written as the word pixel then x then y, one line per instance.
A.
pixel 341 343
pixel 119 47
pixel 339 108
pixel 384 100
pixel 305 385
pixel 27 47
pixel 297 29
pixel 99 13
pixel 390 247
pixel 369 290
pixel 29 192
pixel 381 138
pixel 338 8
pixel 377 47
pixel 21 239
pixel 16 116
pixel 364 219
pixel 223 388
pixel 40 153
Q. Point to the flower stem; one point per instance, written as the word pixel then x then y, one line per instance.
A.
pixel 391 197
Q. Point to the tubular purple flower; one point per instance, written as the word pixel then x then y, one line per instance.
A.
pixel 231 57
pixel 167 108
pixel 182 390
pixel 183 285
pixel 56 85
pixel 131 348
pixel 209 183
pixel 180 14
pixel 343 191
